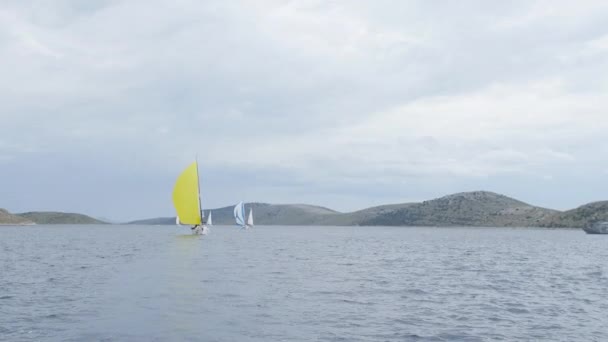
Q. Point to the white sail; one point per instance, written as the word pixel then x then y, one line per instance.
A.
pixel 210 220
pixel 177 221
pixel 239 214
pixel 250 218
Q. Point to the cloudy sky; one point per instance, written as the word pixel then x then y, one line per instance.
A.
pixel 345 104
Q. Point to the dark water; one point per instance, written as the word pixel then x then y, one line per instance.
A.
pixel 112 283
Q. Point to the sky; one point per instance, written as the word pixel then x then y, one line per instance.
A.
pixel 344 104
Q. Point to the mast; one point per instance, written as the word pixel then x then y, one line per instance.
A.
pixel 198 184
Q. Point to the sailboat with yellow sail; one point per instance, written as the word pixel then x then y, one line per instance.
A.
pixel 187 200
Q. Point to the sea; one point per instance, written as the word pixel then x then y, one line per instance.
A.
pixel 159 283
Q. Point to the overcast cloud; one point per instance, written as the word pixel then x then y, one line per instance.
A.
pixel 345 104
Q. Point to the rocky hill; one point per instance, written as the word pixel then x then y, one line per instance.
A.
pixel 579 217
pixel 477 209
pixel 357 218
pixel 50 217
pixel 264 214
pixel 7 218
pixel 291 214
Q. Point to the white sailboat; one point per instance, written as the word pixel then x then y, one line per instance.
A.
pixel 250 218
pixel 239 210
pixel 210 219
pixel 239 216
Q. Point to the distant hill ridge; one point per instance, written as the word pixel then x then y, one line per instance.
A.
pixel 264 213
pixel 52 217
pixel 579 217
pixel 477 209
pixel 7 218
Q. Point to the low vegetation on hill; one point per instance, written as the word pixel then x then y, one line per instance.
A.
pixel 579 217
pixel 50 217
pixel 476 209
pixel 7 218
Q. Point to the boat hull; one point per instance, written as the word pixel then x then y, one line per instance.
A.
pixel 204 230
pixel 597 228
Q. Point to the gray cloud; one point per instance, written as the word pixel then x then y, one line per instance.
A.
pixel 344 104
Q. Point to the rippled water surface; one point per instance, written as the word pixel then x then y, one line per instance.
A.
pixel 122 283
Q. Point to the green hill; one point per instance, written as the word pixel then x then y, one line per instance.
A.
pixel 7 218
pixel 286 214
pixel 579 217
pixel 474 209
pixel 477 209
pixel 264 214
pixel 359 217
pixel 50 217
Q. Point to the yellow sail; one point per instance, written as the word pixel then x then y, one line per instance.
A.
pixel 186 196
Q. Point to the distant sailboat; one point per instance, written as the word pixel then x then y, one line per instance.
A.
pixel 239 216
pixel 187 200
pixel 250 218
pixel 210 220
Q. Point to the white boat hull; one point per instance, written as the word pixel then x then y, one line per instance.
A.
pixel 200 230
